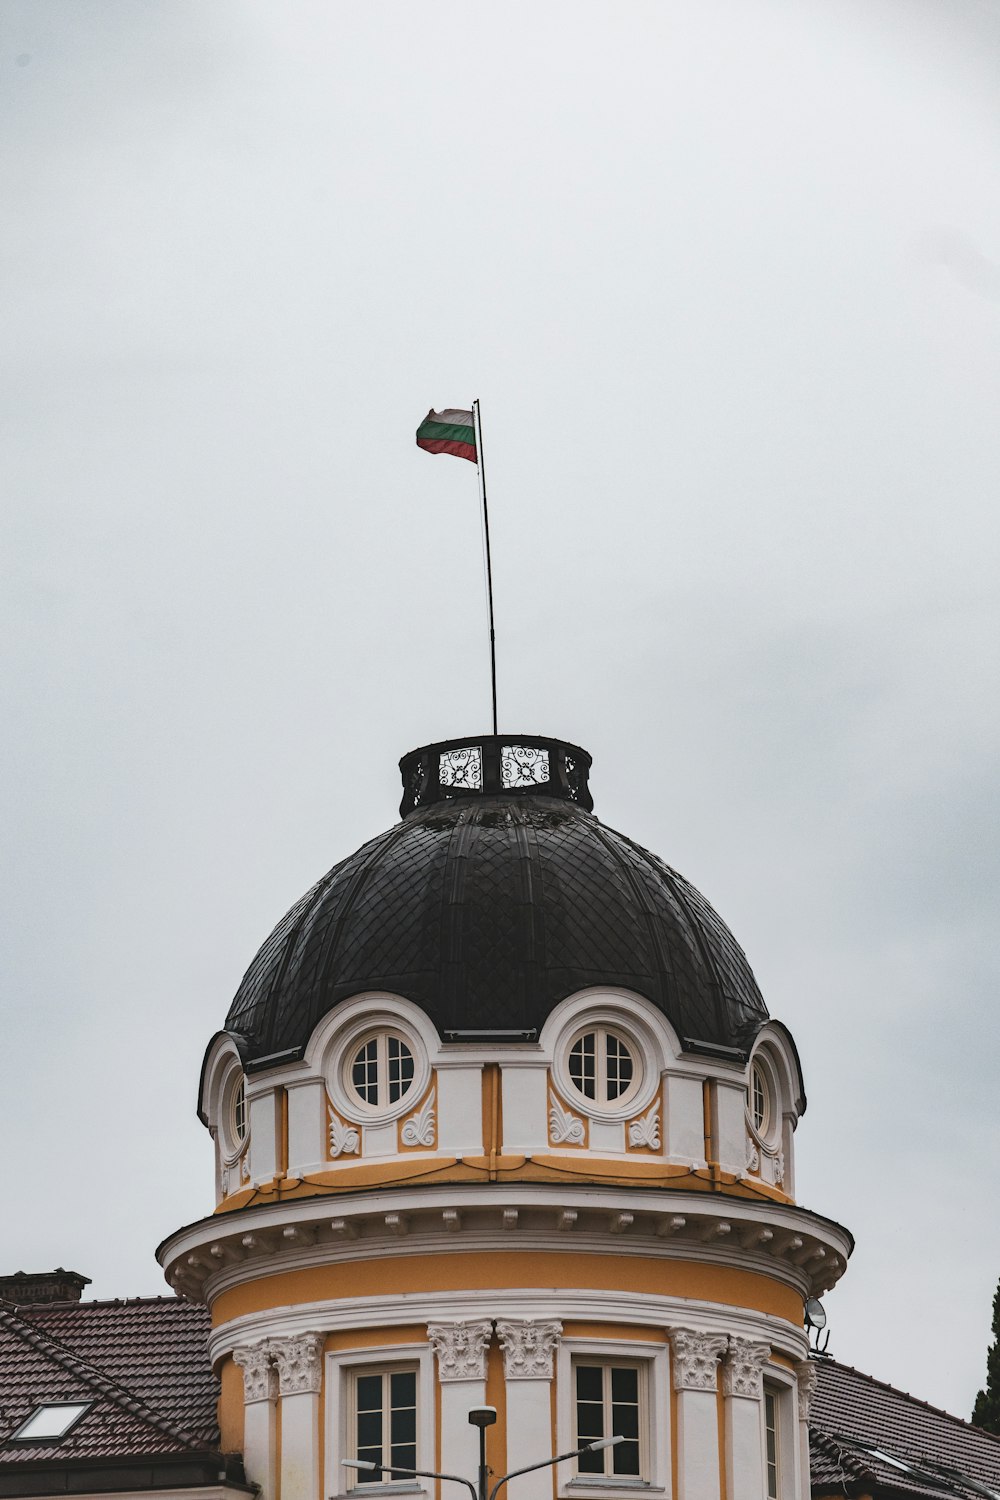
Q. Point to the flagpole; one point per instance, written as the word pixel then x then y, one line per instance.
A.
pixel 481 470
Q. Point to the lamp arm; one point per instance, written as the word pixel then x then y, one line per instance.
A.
pixel 428 1474
pixel 546 1463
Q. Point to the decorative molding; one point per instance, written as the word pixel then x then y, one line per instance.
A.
pixel 753 1156
pixel 695 1358
pixel 300 1364
pixel 345 1140
pixel 528 1346
pixel 644 1133
pixel 461 1349
pixel 779 1169
pixel 225 1182
pixel 805 1371
pixel 743 1370
pixel 565 1128
pixel 418 1130
pixel 260 1378
pixel 245 1167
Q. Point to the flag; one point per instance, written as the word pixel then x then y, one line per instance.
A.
pixel 449 431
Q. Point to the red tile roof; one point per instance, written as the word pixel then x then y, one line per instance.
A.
pixel 142 1364
pixel 868 1437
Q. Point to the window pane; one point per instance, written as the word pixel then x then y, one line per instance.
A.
pixel 588 1383
pixel 400 1069
pixel 619 1067
pixel 625 1419
pixel 370 1433
pixel 582 1064
pixel 364 1073
pixel 589 1415
pixel 626 1458
pixel 771 1434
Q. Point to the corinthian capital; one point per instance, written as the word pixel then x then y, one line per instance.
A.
pixel 743 1371
pixel 461 1349
pixel 299 1362
pixel 528 1347
pixel 260 1379
pixel 695 1358
pixel 805 1372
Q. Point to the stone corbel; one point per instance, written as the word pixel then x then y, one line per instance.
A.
pixel 300 1364
pixel 528 1347
pixel 260 1378
pixel 461 1349
pixel 695 1358
pixel 743 1370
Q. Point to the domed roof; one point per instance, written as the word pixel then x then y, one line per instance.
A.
pixel 498 895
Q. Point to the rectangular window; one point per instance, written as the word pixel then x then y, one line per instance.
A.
pixel 610 1402
pixel 385 1421
pixel 771 1444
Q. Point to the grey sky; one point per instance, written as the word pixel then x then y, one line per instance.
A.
pixel 726 278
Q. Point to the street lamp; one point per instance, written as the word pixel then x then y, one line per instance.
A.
pixel 481 1417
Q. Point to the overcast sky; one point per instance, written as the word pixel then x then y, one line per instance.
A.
pixel 726 278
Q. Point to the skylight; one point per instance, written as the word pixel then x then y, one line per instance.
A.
pixel 53 1420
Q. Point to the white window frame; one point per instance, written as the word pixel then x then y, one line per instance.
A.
pixel 778 1383
pixel 654 1415
pixel 341 1367
pixel 233 1145
pixel 380 1035
pixel 340 1057
pixel 637 1036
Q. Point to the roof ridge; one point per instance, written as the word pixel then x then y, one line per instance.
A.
pixel 99 1302
pixel 47 1343
pixel 917 1400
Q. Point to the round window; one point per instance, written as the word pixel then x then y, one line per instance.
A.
pixel 761 1108
pixel 379 1070
pixel 603 1067
pixel 238 1111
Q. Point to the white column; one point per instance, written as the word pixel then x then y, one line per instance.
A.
pixel 461 1354
pixel 260 1391
pixel 695 1361
pixel 300 1367
pixel 805 1372
pixel 528 1348
pixel 743 1388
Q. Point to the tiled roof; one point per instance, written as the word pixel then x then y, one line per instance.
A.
pixel 157 1347
pixel 141 1364
pixel 866 1437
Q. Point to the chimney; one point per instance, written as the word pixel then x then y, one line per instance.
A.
pixel 32 1288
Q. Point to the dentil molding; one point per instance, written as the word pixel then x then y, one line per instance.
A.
pixel 743 1371
pixel 461 1349
pixel 695 1358
pixel 528 1346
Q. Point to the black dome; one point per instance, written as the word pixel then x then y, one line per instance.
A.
pixel 495 897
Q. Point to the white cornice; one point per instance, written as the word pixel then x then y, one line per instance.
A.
pixel 788 1244
pixel 529 1303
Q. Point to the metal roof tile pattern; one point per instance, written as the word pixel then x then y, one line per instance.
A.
pixel 486 912
pixel 143 1364
pixel 866 1436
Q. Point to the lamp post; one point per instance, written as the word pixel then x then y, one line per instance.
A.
pixel 479 1418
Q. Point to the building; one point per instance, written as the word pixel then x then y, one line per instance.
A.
pixel 502 1125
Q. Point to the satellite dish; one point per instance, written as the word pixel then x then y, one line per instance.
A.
pixel 815 1313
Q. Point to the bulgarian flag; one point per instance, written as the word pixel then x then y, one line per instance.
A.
pixel 449 431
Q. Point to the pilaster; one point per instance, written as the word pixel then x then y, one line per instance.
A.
pixel 805 1376
pixel 461 1350
pixel 300 1376
pixel 695 1360
pixel 743 1388
pixel 529 1347
pixel 260 1392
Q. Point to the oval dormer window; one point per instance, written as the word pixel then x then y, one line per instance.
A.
pixel 603 1067
pixel 380 1070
